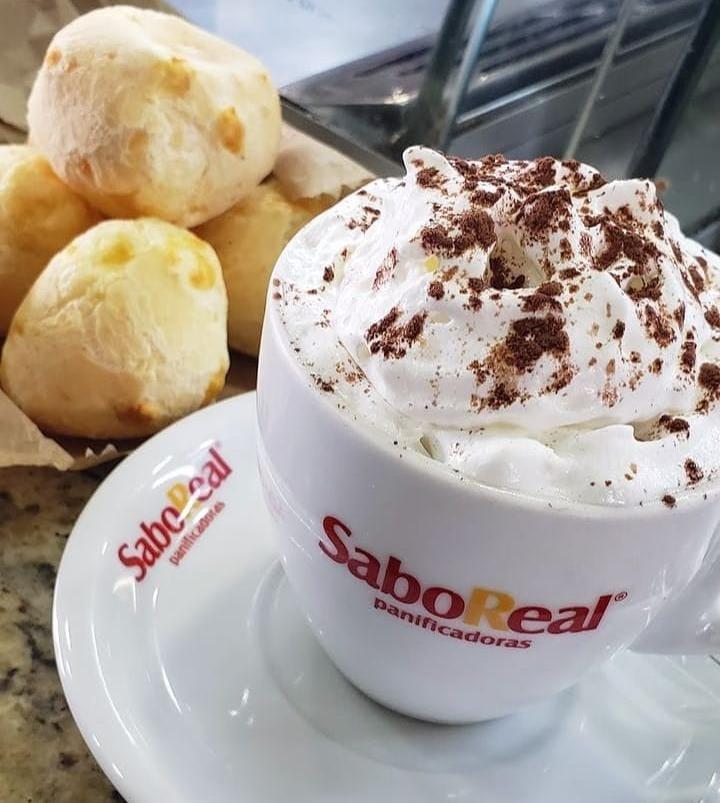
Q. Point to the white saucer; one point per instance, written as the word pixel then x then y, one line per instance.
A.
pixel 203 683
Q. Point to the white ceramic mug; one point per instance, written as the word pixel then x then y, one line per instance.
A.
pixel 455 602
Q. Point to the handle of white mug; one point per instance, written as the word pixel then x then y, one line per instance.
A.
pixel 689 624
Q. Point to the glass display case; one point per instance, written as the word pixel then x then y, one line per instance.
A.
pixel 630 86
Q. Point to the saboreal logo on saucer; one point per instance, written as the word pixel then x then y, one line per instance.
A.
pixel 186 499
pixel 444 609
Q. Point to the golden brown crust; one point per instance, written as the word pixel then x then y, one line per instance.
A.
pixel 248 239
pixel 119 337
pixel 39 215
pixel 144 114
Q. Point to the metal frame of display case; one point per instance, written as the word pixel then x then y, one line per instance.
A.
pixel 605 66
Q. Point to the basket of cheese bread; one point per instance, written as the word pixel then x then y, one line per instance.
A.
pixel 138 228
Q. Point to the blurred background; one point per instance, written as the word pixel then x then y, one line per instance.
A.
pixel 631 86
pixel 581 78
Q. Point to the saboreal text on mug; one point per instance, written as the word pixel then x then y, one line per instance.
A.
pixel 497 610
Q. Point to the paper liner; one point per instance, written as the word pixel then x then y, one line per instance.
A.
pixel 23 444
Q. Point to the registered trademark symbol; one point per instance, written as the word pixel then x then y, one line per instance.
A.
pixel 621 596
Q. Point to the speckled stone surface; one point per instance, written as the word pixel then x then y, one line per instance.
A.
pixel 43 758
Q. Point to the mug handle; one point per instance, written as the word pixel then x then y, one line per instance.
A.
pixel 689 624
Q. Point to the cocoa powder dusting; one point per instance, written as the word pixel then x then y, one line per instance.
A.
pixel 542 173
pixel 709 379
pixel 658 327
pixel 526 342
pixel 693 471
pixel 544 298
pixel 697 279
pixel 502 396
pixel 627 251
pixel 501 276
pixel 569 273
pixel 560 379
pixel 430 178
pixel 675 425
pixel 530 338
pixel 585 244
pixel 486 197
pixel 712 316
pixel 480 372
pixel 471 173
pixel 371 214
pixel 463 231
pixel 386 269
pixel 324 384
pixel 621 242
pixel 573 166
pixel 545 212
pixel 476 286
pixel 690 283
pixel 609 394
pixel 669 500
pixel 550 288
pixel 593 183
pixel 391 338
pixel 643 287
pixel 380 327
pixel 688 354
pixel 413 328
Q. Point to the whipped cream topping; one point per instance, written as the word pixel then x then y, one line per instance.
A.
pixel 527 324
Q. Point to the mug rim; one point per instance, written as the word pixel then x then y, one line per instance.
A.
pixel 433 470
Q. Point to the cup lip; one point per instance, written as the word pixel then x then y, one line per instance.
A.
pixel 432 470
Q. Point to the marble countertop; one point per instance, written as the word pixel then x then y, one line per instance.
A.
pixel 43 758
